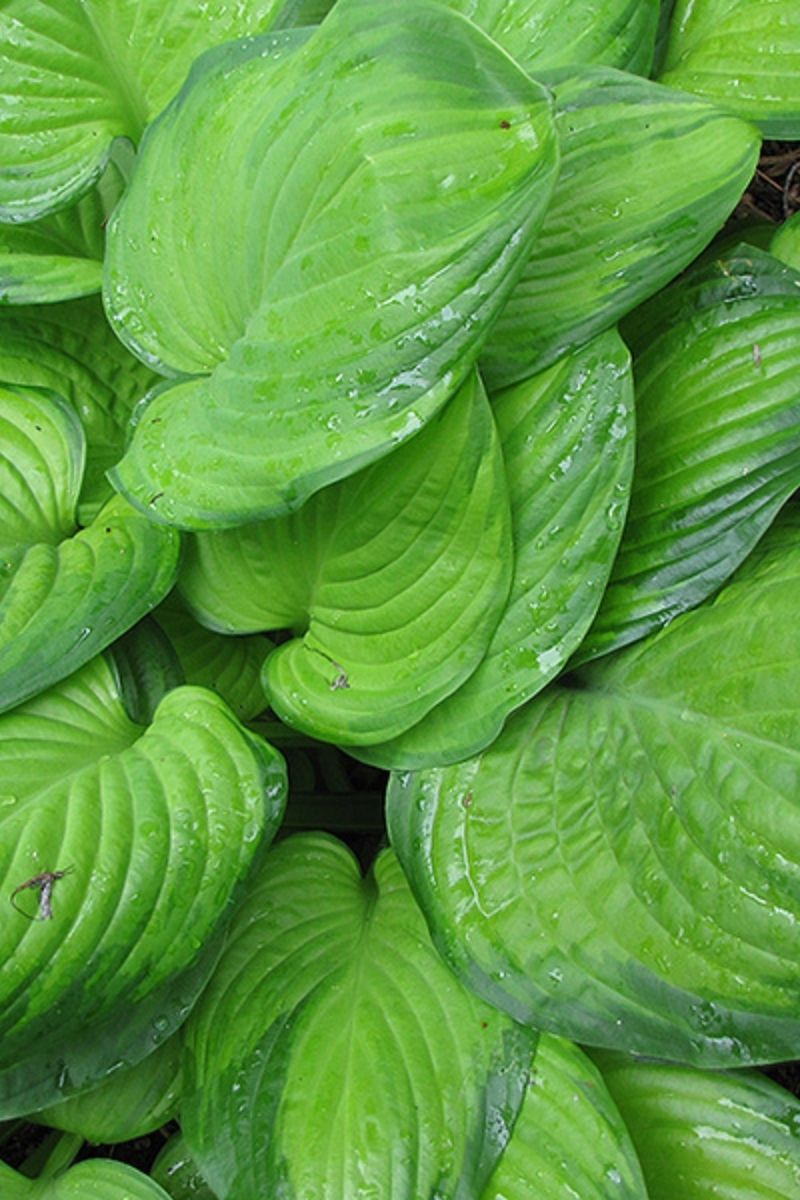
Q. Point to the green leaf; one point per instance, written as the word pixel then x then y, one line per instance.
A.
pixel 76 76
pixel 61 605
pixel 59 257
pixel 230 666
pixel 703 1134
pixel 542 34
pixel 393 581
pixel 151 832
pixel 569 1134
pixel 785 244
pixel 647 178
pixel 70 349
pixel 718 438
pixel 743 55
pixel 175 1170
pixel 377 202
pixel 334 1053
pixel 128 1104
pixel 622 866
pixel 95 1179
pixel 567 439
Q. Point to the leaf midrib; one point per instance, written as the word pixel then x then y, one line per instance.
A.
pixel 129 88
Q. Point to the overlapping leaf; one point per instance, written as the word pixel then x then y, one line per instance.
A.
pixel 392 581
pixel 623 865
pixel 97 1179
pixel 701 1133
pixel 335 1054
pixel 718 438
pixel 647 178
pixel 742 54
pixel 70 349
pixel 59 257
pixel 128 1104
pixel 786 243
pixel 176 1171
pixel 372 205
pixel 79 73
pixel 150 832
pixel 64 598
pixel 569 1133
pixel 230 666
pixel 567 438
pixel 542 34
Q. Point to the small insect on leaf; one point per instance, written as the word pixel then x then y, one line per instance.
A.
pixel 43 883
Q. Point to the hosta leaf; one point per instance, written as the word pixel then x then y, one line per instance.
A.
pixel 230 666
pixel 64 598
pixel 548 33
pixel 704 1134
pixel 79 73
pixel 127 1105
pixel 718 438
pixel 175 1170
pixel 372 234
pixel 155 829
pixel 70 349
pixel 622 866
pixel 623 221
pixel 59 257
pixel 392 580
pixel 567 438
pixel 42 455
pixel 334 1053
pixel 95 1179
pixel 569 1135
pixel 785 244
pixel 742 54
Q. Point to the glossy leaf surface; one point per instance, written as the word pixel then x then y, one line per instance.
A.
pixel 153 829
pixel 567 440
pixel 392 581
pixel 742 54
pixel 175 1170
pixel 335 1054
pixel 647 178
pixel 704 1134
pixel 64 598
pixel 542 34
pixel 69 349
pixel 718 438
pixel 97 1179
pixel 79 73
pixel 372 234
pixel 622 866
pixel 569 1134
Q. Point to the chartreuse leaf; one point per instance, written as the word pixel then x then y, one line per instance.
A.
pixel 127 1105
pixel 93 1179
pixel 79 73
pixel 151 831
pixel 334 1053
pixel 59 257
pixel 64 598
pixel 377 202
pixel 569 1135
pixel 70 349
pixel 392 581
pixel 622 222
pixel 718 438
pixel 230 666
pixel 567 439
pixel 742 54
pixel 544 33
pixel 785 244
pixel 702 1134
pixel 622 866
